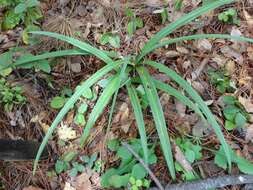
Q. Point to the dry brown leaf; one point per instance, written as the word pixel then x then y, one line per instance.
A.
pixel 249 133
pixel 83 182
pixel 164 99
pixel 201 129
pixel 32 188
pixel 196 73
pixel 172 54
pixel 186 64
pixel 38 119
pixel 250 53
pixel 182 50
pixel 247 104
pixel 198 86
pixel 180 158
pixel 192 3
pixel 44 127
pixel 68 186
pixel 155 3
pixel 70 117
pixel 249 18
pixel 230 67
pixel 122 118
pixel 95 179
pixel 220 60
pixel 231 53
pixel 181 108
pixel 204 44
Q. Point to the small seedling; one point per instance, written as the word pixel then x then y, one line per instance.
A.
pixel 229 16
pixel 10 95
pixel 58 101
pixel 136 184
pixel 129 171
pixel 143 97
pixel 69 163
pixel 178 5
pixel 164 14
pixel 76 168
pixel 111 38
pixel 134 22
pixel 186 175
pixel 221 81
pixel 82 108
pixel 242 164
pixel 234 113
pixel 192 153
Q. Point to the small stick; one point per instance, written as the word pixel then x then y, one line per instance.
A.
pixel 209 183
pixel 152 175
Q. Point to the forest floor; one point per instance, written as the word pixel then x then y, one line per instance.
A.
pixel 214 67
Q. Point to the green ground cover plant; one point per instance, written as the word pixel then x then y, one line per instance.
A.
pixel 131 71
pixel 129 172
pixel 10 95
pixel 229 16
pixel 17 12
pixel 234 113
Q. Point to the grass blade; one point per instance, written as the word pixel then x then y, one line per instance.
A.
pixel 77 43
pixel 99 107
pixel 28 59
pixel 121 78
pixel 202 36
pixel 139 119
pixel 158 116
pixel 179 96
pixel 201 104
pixel 70 103
pixel 178 23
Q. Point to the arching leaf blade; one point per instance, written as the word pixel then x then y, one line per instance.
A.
pixel 77 43
pixel 99 107
pixel 70 103
pixel 135 102
pixel 157 112
pixel 199 101
pixel 148 47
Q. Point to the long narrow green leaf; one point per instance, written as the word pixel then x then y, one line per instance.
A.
pixel 178 23
pixel 139 119
pixel 157 112
pixel 70 103
pixel 77 43
pixel 99 107
pixel 179 96
pixel 202 36
pixel 121 78
pixel 201 104
pixel 28 59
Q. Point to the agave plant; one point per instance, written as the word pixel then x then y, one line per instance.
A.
pixel 122 69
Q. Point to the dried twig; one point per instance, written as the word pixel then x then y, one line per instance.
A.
pixel 152 175
pixel 209 183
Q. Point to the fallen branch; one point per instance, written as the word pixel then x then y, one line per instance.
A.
pixel 215 182
pixel 151 174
